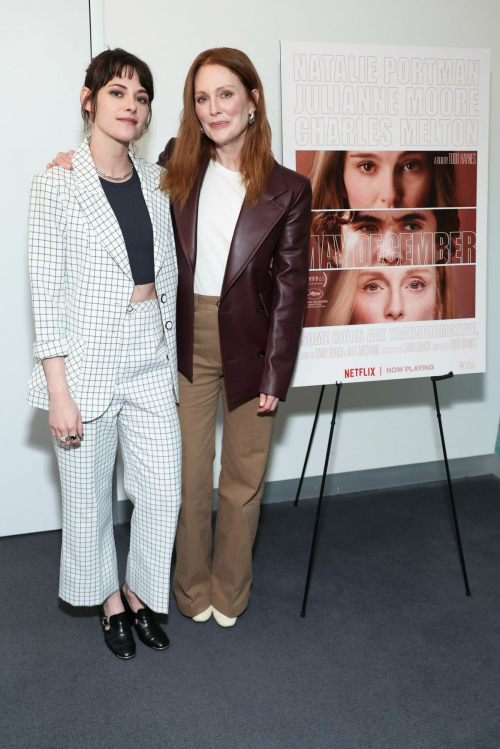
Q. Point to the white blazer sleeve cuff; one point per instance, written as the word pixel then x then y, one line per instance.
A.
pixel 48 349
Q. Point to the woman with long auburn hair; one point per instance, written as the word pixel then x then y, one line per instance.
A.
pixel 242 231
pixel 256 161
pixel 241 224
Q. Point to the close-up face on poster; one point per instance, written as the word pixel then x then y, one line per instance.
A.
pixel 395 143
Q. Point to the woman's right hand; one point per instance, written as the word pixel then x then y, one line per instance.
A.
pixel 63 159
pixel 65 419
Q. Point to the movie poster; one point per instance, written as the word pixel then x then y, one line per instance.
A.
pixel 395 143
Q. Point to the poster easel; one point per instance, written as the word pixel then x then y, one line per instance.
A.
pixel 434 381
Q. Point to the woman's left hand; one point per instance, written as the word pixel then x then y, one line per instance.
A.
pixel 267 403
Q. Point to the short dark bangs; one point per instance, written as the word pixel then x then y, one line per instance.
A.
pixel 114 63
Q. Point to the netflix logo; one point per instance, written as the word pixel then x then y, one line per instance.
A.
pixel 359 372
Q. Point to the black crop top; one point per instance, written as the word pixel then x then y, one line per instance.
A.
pixel 127 201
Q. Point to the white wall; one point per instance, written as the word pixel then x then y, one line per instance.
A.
pixel 380 424
pixel 44 51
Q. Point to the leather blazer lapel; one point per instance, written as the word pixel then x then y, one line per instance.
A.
pixel 186 219
pixel 97 209
pixel 252 228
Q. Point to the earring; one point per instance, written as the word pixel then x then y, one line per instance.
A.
pixel 251 119
pixel 201 128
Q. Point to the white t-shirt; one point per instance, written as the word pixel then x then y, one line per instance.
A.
pixel 221 198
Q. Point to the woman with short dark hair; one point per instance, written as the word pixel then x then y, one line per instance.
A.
pixel 104 279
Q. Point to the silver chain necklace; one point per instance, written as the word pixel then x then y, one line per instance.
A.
pixel 116 179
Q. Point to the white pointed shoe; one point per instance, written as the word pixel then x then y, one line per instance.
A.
pixel 204 616
pixel 222 620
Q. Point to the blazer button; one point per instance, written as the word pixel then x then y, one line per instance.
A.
pixel 260 308
pixel 163 298
pixel 261 353
pixel 168 325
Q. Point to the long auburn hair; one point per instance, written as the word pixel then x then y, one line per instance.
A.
pixel 328 188
pixel 257 160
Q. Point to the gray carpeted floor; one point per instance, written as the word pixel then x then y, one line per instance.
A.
pixel 391 655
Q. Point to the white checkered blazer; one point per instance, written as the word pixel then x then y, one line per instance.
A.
pixel 81 280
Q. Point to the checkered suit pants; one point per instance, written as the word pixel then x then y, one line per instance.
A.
pixel 143 414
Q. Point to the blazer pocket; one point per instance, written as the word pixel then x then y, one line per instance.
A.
pixel 266 297
pixel 73 363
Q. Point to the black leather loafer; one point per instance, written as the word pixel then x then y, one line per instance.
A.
pixel 118 637
pixel 146 626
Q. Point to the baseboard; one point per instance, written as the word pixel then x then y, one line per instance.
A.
pixel 359 481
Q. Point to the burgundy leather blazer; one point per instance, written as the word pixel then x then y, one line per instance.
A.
pixel 264 291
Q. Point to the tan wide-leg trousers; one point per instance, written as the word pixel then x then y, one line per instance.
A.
pixel 218 572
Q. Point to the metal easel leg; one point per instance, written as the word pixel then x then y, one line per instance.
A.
pixel 450 487
pixel 320 500
pixel 309 446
